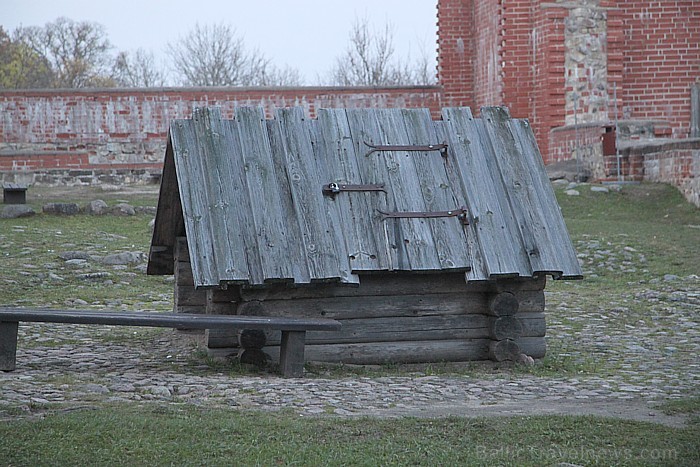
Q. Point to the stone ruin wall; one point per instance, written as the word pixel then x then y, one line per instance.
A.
pixel 82 137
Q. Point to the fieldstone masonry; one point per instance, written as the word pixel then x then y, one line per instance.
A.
pixel 585 63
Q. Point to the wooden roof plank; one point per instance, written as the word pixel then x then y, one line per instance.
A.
pixel 365 238
pixel 227 206
pixel 481 183
pixel 409 190
pixel 364 128
pixel 478 271
pixel 194 200
pixel 564 257
pixel 296 254
pixel 516 175
pixel 269 235
pixel 323 242
pixel 438 193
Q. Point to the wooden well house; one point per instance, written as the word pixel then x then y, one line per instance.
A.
pixel 429 240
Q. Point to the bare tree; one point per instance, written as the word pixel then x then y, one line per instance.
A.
pixel 370 60
pixel 214 55
pixel 274 76
pixel 137 69
pixel 78 52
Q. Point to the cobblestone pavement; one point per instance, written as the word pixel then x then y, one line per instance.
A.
pixel 619 353
pixel 73 365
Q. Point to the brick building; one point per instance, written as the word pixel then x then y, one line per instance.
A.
pixel 575 67
pixel 571 67
pixel 565 62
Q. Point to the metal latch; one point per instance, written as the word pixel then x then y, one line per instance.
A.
pixel 460 213
pixel 442 147
pixel 332 189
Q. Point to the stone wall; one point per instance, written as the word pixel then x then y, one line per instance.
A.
pixel 74 135
pixel 676 162
pixel 581 142
pixel 585 64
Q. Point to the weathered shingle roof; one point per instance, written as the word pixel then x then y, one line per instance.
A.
pixel 248 194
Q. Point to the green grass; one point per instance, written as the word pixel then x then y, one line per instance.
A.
pixel 31 246
pixel 162 435
pixel 651 218
pixel 682 406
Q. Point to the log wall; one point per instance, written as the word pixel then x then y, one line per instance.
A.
pixel 389 318
pixel 187 299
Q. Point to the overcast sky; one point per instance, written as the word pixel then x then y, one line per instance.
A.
pixel 304 34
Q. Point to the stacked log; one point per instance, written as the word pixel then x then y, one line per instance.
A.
pixel 222 302
pixel 187 298
pixel 251 342
pixel 507 327
pixel 389 318
pixel 409 319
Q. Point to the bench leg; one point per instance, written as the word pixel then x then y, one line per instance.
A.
pixel 292 354
pixel 8 345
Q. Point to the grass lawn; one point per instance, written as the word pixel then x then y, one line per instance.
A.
pixel 167 435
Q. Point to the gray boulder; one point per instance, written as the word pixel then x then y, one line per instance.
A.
pixel 96 207
pixel 14 211
pixel 568 170
pixel 69 255
pixel 64 209
pixel 128 257
pixel 123 209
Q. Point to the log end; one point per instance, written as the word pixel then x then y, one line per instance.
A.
pixel 503 304
pixel 504 350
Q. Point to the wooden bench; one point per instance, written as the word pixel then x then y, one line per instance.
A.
pixel 14 193
pixel 291 350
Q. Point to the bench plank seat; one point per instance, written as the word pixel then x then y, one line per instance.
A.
pixel 293 328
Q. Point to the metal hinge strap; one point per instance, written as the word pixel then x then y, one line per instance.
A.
pixel 332 189
pixel 442 147
pixel 460 213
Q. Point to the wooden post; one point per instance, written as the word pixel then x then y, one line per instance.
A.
pixel 292 354
pixel 8 345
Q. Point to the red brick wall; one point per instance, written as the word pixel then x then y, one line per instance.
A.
pixel 661 59
pixel 488 37
pixel 98 115
pixel 653 56
pixel 456 27
pixel 55 129
pixel 548 106
pixel 517 56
